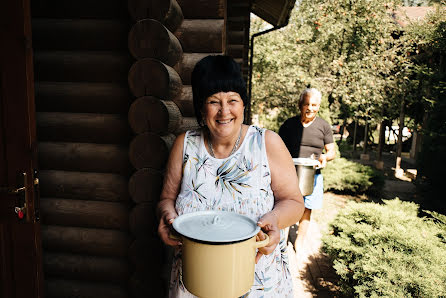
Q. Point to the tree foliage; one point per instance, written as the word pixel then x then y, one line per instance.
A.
pixel 350 50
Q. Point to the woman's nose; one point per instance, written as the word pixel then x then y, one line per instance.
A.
pixel 224 108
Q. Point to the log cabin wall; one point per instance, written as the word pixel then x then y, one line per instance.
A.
pixel 237 32
pixel 81 64
pixel 113 90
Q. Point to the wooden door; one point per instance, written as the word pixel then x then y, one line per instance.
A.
pixel 20 244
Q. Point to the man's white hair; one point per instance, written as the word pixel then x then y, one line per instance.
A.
pixel 313 92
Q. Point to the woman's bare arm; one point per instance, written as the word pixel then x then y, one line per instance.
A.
pixel 171 188
pixel 289 204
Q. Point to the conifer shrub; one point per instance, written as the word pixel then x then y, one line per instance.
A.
pixel 387 250
pixel 343 175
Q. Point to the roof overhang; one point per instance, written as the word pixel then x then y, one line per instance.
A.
pixel 275 12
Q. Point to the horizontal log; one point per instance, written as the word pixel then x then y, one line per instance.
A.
pixel 146 255
pixel 167 12
pixel 143 222
pixel 187 64
pixel 84 186
pixel 98 9
pixel 152 77
pixel 82 97
pixel 150 39
pixel 77 66
pixel 97 242
pixel 236 37
pixel 82 213
pixel 79 34
pixel 83 127
pixel 84 157
pixel 237 23
pixel 81 267
pixel 184 101
pixel 58 288
pixel 201 35
pixel 203 9
pixel 149 113
pixel 187 123
pixel 149 150
pixel 143 286
pixel 236 50
pixel 145 185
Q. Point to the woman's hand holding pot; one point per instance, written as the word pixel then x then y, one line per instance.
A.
pixel 165 228
pixel 268 224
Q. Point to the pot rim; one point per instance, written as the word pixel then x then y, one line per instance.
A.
pixel 211 232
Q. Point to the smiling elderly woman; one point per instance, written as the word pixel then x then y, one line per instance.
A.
pixel 261 182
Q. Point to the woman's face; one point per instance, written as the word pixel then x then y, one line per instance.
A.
pixel 223 113
pixel 309 108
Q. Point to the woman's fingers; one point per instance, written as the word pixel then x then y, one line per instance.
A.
pixel 165 230
pixel 268 225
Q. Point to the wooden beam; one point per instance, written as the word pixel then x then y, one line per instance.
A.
pixel 83 127
pixel 198 36
pixel 145 185
pixel 149 38
pixel 149 113
pixel 203 9
pixel 82 213
pixel 83 186
pixel 99 242
pixel 167 12
pixel 187 64
pixel 82 97
pixel 143 221
pixel 81 66
pixel 57 288
pixel 152 77
pixel 79 34
pixel 88 268
pixel 149 150
pixel 184 101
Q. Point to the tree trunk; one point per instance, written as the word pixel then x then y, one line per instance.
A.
pixel 354 135
pixel 400 137
pixel 366 137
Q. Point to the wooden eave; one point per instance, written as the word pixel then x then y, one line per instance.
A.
pixel 275 12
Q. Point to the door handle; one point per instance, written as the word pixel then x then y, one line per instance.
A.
pixel 22 190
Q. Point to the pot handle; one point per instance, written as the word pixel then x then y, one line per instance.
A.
pixel 262 243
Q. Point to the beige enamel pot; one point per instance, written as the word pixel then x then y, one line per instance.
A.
pixel 218 253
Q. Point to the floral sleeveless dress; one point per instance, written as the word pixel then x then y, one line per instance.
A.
pixel 240 183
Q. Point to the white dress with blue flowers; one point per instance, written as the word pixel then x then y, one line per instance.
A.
pixel 240 183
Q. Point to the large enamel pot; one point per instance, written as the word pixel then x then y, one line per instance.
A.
pixel 218 253
pixel 305 168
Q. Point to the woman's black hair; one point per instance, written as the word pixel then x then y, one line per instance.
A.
pixel 213 74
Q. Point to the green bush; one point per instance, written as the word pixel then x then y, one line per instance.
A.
pixel 388 251
pixel 343 175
